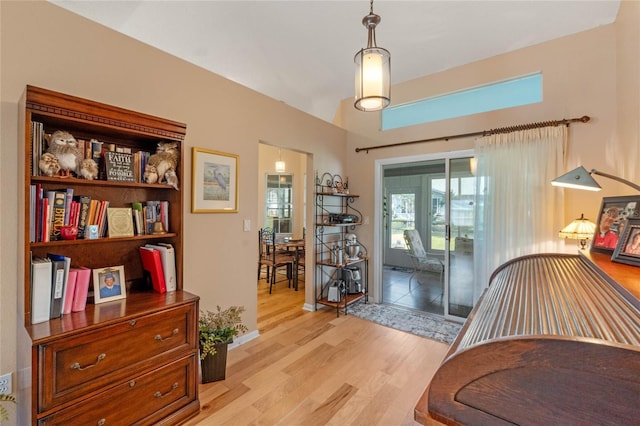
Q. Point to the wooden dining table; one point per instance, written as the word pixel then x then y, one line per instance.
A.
pixel 297 246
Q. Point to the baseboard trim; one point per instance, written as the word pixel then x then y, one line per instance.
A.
pixel 309 307
pixel 237 341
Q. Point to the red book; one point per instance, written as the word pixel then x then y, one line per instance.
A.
pixel 82 289
pixel 152 263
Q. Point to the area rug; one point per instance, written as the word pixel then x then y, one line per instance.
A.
pixel 414 322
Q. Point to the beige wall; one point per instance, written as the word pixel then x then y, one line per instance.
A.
pixel 46 46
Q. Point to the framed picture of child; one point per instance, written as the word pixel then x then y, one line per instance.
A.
pixel 109 284
pixel 628 248
pixel 612 218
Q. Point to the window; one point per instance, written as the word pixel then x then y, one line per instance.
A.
pixel 279 203
pixel 505 94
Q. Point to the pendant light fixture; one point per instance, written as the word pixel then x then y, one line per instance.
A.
pixel 373 70
pixel 279 164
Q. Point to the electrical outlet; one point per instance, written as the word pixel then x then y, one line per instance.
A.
pixel 5 384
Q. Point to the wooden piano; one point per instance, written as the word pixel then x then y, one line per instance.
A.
pixel 554 339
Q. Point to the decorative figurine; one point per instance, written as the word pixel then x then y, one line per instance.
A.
pixel 163 164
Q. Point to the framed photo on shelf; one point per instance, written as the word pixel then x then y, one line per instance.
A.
pixel 109 284
pixel 214 186
pixel 628 248
pixel 612 218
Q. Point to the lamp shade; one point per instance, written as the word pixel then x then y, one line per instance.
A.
pixel 373 70
pixel 578 178
pixel 580 229
pixel 280 168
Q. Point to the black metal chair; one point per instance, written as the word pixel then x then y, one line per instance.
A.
pixel 272 258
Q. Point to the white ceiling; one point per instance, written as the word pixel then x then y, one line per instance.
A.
pixel 301 52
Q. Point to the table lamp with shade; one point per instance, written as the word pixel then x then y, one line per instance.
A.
pixel 581 229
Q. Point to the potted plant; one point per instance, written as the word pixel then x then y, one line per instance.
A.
pixel 217 330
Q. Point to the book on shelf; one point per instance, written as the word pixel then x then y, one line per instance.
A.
pixel 82 289
pixel 168 257
pixel 45 220
pixel 120 222
pixel 138 221
pixel 152 264
pixel 37 147
pixel 119 166
pixel 101 219
pixel 67 204
pixel 32 213
pixel 59 208
pixel 40 289
pixel 84 202
pixel 70 290
pixel 93 209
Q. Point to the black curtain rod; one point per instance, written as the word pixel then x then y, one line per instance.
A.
pixel 583 119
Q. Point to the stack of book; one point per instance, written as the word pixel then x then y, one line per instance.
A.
pixel 56 288
pixel 159 263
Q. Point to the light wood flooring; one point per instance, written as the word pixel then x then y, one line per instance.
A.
pixel 311 368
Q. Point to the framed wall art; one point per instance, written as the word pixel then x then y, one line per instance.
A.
pixel 214 186
pixel 628 248
pixel 109 284
pixel 612 217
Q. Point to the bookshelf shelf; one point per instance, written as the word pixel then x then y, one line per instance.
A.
pixel 71 181
pixel 138 238
pixel 60 395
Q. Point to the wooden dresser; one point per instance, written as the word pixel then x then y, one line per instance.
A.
pixel 555 339
pixel 127 362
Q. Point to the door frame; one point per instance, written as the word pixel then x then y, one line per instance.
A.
pixel 378 220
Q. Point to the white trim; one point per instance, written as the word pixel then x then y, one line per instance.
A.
pixel 244 339
pixel 309 307
pixel 378 225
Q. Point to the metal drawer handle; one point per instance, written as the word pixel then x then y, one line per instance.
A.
pixel 76 365
pixel 173 333
pixel 159 395
pixel 101 422
pixel 133 323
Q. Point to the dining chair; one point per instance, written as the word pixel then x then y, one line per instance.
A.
pixel 273 259
pixel 421 260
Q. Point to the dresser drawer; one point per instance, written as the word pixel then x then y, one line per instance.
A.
pixel 87 362
pixel 142 400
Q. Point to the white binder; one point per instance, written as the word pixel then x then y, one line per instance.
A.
pixel 40 290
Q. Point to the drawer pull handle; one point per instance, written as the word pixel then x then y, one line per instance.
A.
pixel 173 333
pixel 133 323
pixel 101 422
pixel 132 383
pixel 159 395
pixel 76 365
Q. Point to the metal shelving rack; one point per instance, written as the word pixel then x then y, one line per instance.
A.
pixel 335 216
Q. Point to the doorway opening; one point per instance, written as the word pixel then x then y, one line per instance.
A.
pixel 428 225
pixel 283 208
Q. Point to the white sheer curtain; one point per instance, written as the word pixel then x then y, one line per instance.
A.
pixel 519 211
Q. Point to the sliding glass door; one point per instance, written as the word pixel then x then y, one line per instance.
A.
pixel 436 199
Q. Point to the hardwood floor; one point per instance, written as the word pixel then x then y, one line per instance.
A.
pixel 311 368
